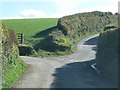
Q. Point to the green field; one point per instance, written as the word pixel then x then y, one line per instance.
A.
pixel 35 30
pixel 30 27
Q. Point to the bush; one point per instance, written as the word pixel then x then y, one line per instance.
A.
pixel 75 27
pixel 80 24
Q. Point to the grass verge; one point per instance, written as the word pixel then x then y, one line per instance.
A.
pixel 12 74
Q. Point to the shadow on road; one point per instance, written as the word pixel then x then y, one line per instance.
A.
pixel 92 41
pixel 78 75
pixel 94 48
pixel 74 75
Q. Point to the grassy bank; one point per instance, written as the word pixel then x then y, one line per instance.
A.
pixel 12 66
pixel 12 73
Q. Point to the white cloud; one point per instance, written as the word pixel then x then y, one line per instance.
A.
pixel 33 13
pixel 30 13
pixel 68 7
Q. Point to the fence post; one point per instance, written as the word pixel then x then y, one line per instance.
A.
pixel 22 38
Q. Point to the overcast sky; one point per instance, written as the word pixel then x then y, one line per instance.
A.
pixel 53 8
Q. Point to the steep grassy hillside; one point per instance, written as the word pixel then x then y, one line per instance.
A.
pixel 30 27
pixel 12 66
pixel 107 54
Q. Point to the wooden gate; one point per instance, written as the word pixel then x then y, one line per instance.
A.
pixel 21 38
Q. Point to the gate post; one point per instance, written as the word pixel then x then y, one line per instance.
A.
pixel 22 38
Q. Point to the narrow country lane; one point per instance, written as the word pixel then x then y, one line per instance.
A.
pixel 71 71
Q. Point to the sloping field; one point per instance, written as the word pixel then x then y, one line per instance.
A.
pixel 30 27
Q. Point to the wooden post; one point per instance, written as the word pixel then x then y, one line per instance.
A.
pixel 22 38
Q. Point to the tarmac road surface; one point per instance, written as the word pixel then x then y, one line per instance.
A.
pixel 71 71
